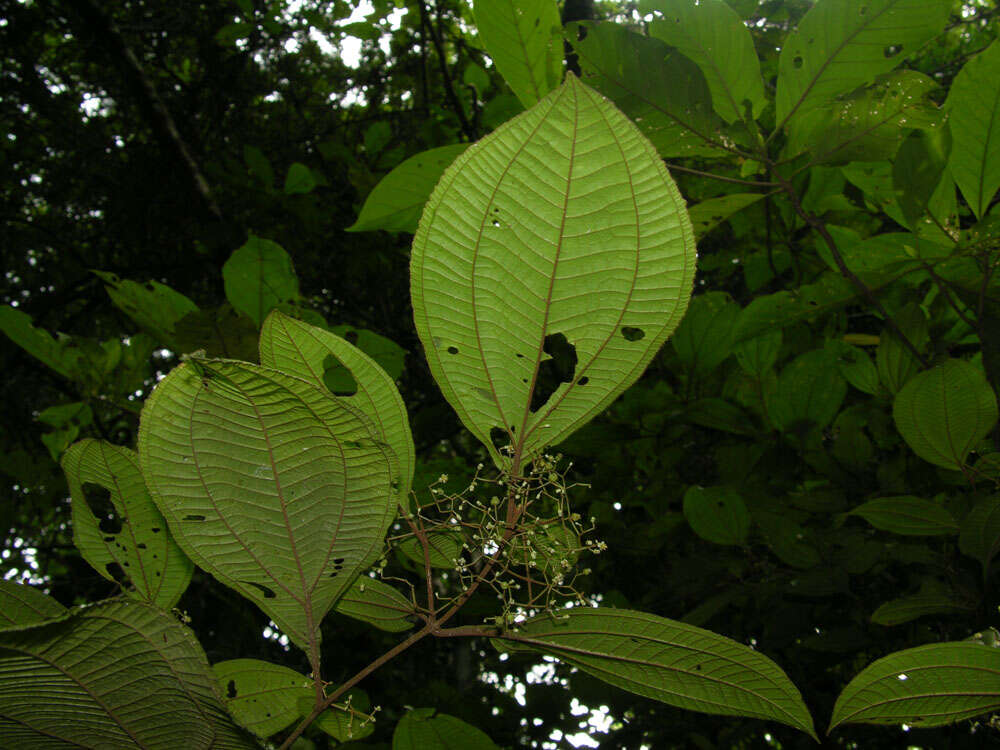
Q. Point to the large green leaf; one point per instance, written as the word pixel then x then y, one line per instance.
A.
pixel 842 44
pixel 115 675
pixel 559 233
pixel 310 353
pixel 704 337
pixel 377 603
pixel 23 605
pixel 258 277
pixel 261 696
pixel 425 729
pixel 668 661
pixel 944 412
pixel 277 489
pixel 154 306
pixel 717 514
pixel 974 119
pixel 395 203
pixel 523 38
pixel 714 37
pixel 925 686
pixel 980 533
pixel 123 531
pixel 912 516
pixel 640 74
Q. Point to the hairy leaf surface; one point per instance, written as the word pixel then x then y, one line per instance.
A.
pixel 559 232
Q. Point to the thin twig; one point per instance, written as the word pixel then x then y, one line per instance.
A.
pixel 734 180
pixel 449 87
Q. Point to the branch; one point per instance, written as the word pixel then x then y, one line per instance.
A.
pixel 150 102
pixel 734 180
pixel 449 87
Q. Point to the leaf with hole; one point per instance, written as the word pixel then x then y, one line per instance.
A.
pixel 261 696
pixel 117 527
pixel 271 485
pixel 396 202
pixel 113 675
pixel 155 307
pixel 974 120
pixel 21 604
pixel 927 686
pixel 523 38
pixel 665 660
pixel 577 278
pixel 942 413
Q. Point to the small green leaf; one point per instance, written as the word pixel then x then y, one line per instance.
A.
pixel 974 106
pixel 787 539
pixel 944 412
pixel 377 603
pixel 258 165
pixel 757 355
pixel 895 362
pixel 980 534
pixel 523 38
pixel 639 74
pixel 259 277
pixel 714 37
pixel 908 515
pixel 444 547
pixel 57 354
pixel 154 306
pixel 704 338
pixel 299 180
pixel 717 514
pixel 708 214
pixel 116 526
pixel 396 202
pixel 855 366
pixel 116 675
pixel 261 696
pixel 935 601
pixel 21 604
pixel 927 686
pixel 666 660
pixel 425 729
pixel 810 391
pixel 719 414
pixel 594 264
pixel 918 169
pixel 275 488
pixel 343 721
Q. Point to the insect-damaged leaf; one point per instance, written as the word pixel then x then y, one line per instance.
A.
pixel 555 251
pixel 276 488
pixel 261 696
pixel 668 661
pixel 117 675
pixel 116 526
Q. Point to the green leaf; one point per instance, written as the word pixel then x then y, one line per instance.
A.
pixel 714 37
pixel 708 214
pixel 839 46
pixel 299 180
pixel 342 721
pixel 717 514
pixel 639 74
pixel 908 608
pixel 116 526
pixel 855 366
pixel 757 355
pixel 668 661
pixel 221 332
pixel 944 412
pixel 277 489
pixel 425 729
pixel 523 38
pixel 57 354
pixel 909 515
pixel 869 123
pixel 261 696
pixel 258 165
pixel 810 391
pixel 704 338
pixel 974 119
pixel 918 169
pixel 444 547
pixel 395 203
pixel 389 355
pixel 927 686
pixel 377 603
pixel 154 306
pixel 259 276
pixel 719 414
pixel 895 362
pixel 21 604
pixel 311 353
pixel 594 262
pixel 114 675
pixel 980 534
pixel 787 539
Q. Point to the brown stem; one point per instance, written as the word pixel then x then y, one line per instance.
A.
pixel 733 180
pixel 816 223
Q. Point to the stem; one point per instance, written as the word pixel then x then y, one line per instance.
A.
pixel 449 87
pixel 733 180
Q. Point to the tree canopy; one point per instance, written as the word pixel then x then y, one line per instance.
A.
pixel 209 200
